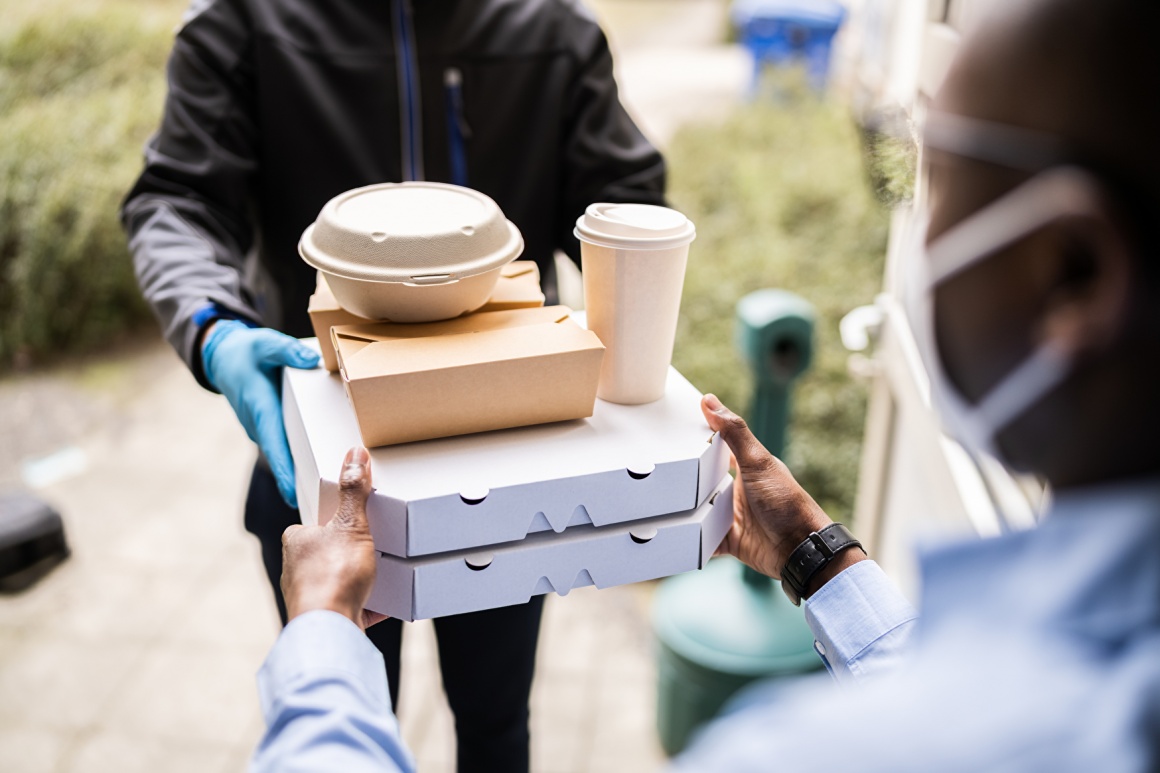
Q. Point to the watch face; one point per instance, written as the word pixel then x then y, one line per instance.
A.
pixel 803 562
pixel 812 555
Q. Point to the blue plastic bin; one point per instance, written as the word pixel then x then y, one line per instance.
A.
pixel 782 32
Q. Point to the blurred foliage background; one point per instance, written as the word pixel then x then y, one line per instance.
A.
pixel 81 87
pixel 782 192
pixel 781 198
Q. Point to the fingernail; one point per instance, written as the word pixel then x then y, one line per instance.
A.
pixel 357 457
pixel 713 403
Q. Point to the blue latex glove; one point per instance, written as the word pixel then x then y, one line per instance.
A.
pixel 245 364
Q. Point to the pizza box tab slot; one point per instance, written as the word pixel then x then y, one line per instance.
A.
pixel 643 534
pixel 474 496
pixel 640 471
pixel 477 562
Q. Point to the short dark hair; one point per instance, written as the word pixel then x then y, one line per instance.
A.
pixel 1108 51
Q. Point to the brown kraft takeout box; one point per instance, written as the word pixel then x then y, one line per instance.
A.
pixel 518 288
pixel 484 371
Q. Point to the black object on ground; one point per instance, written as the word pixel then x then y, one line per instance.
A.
pixel 32 541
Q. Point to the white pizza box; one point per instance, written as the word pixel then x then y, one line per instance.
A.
pixel 624 463
pixel 471 580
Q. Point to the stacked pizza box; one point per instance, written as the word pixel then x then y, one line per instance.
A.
pixel 586 492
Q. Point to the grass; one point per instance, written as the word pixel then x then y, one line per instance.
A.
pixel 781 198
pixel 80 91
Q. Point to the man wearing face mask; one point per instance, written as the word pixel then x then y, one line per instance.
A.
pixel 1035 306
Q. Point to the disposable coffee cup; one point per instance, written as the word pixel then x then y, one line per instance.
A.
pixel 633 258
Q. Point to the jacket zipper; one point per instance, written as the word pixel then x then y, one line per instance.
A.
pixel 410 103
pixel 458 130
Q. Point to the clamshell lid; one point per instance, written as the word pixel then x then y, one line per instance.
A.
pixel 410 232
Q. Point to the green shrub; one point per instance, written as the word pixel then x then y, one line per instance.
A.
pixel 78 97
pixel 780 199
pixel 891 156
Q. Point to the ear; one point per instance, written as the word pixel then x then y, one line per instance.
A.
pixel 1090 278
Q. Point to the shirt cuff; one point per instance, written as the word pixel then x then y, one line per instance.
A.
pixel 322 642
pixel 860 621
pixel 212 310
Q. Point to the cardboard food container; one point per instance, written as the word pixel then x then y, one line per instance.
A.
pixel 412 251
pixel 468 581
pixel 624 463
pixel 476 373
pixel 518 287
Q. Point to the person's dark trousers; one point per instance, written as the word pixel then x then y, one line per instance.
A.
pixel 487 658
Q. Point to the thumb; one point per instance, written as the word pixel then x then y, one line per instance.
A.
pixel 278 349
pixel 747 450
pixel 354 486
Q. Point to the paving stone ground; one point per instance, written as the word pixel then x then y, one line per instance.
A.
pixel 139 653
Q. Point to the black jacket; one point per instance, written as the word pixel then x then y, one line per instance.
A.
pixel 275 106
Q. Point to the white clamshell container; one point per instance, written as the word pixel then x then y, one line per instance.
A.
pixel 411 252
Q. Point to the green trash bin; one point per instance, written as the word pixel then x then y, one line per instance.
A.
pixel 774 332
pixel 727 626
pixel 717 631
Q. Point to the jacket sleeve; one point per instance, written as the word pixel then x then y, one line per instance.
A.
pixel 187 216
pixel 605 155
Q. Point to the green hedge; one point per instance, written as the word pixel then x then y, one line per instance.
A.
pixel 79 94
pixel 780 196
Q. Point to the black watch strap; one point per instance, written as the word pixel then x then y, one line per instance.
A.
pixel 812 555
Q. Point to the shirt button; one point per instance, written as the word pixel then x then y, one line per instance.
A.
pixel 821 650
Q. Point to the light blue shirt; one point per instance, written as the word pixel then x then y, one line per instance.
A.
pixel 1037 651
pixel 323 690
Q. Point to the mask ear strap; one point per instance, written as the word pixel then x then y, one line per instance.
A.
pixel 1023 387
pixel 1042 199
pixel 1014 147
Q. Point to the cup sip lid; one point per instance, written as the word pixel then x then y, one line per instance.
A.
pixel 634 226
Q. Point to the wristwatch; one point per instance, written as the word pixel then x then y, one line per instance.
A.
pixel 812 555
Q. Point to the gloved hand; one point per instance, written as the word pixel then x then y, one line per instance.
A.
pixel 245 364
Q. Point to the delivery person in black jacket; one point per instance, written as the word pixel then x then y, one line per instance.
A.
pixel 274 107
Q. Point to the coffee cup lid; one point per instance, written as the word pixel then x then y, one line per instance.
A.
pixel 634 226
